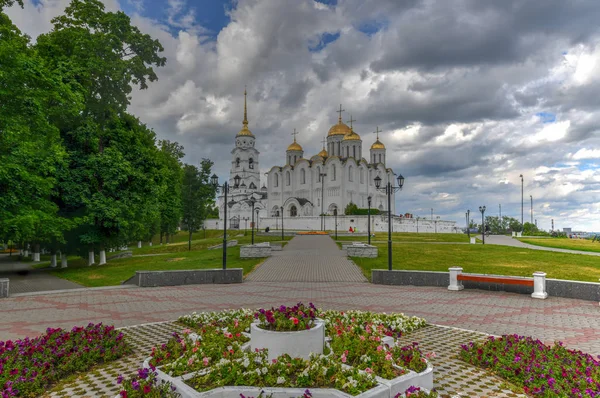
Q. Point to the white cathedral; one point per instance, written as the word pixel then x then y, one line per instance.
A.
pixel 304 188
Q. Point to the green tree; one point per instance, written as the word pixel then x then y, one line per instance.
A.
pixel 32 98
pixel 170 196
pixel 198 193
pixel 107 150
pixel 351 209
pixel 530 229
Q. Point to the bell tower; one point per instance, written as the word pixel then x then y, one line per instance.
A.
pixel 244 163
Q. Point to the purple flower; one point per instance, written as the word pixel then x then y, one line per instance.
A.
pixel 119 379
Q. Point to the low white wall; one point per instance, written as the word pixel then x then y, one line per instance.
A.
pixel 359 223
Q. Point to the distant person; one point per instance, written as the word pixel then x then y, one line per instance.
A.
pixel 267 229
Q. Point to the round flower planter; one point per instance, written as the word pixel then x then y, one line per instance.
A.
pixel 296 344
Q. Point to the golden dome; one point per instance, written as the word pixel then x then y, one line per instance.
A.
pixel 339 129
pixel 323 153
pixel 377 145
pixel 351 136
pixel 294 146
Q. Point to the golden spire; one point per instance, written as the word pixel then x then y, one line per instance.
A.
pixel 245 130
pixel 245 122
pixel 340 116
pixel 350 121
pixel 294 146
pixel 377 144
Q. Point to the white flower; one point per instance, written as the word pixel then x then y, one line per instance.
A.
pixel 280 380
pixel 265 370
pixel 246 362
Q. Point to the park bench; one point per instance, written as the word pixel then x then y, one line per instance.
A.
pixel 538 282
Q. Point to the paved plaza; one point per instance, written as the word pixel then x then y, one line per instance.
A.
pixel 312 269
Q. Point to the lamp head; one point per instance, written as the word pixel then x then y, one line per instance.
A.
pixel 214 180
pixel 236 180
pixel 400 180
pixel 377 182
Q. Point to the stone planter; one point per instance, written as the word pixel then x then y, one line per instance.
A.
pixel 296 344
pixel 255 251
pixel 401 383
pixel 362 250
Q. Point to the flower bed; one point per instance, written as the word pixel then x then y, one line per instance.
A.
pixel 541 370
pixel 363 359
pixel 29 366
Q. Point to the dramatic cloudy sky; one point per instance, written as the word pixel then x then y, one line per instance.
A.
pixel 468 93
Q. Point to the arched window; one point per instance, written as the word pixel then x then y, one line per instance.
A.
pixel 293 211
pixel 362 176
pixel 287 178
pixel 251 163
pixel 354 151
pixel 237 162
pixel 379 158
pixel 276 178
pixel 302 176
pixel 373 158
pixel 333 172
pixel 319 173
pixel 350 173
pixel 347 151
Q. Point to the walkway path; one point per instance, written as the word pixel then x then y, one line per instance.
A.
pixel 308 258
pixel 509 241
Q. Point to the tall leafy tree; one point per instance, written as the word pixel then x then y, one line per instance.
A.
pixel 170 196
pixel 107 149
pixel 32 98
pixel 198 194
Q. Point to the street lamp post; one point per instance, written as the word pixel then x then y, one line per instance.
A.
pixel 388 189
pixel 482 210
pixel 369 218
pixel 335 215
pixel 468 214
pixel 417 224
pixel 282 233
pixel 432 214
pixel 531 199
pixel 521 175
pixel 257 211
pixel 322 176
pixel 225 189
pixel 252 202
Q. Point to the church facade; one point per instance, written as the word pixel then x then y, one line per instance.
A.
pixel 306 187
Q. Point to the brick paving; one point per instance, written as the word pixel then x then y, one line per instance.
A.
pixel 308 258
pixel 575 322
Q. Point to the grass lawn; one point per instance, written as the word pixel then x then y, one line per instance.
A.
pixel 563 243
pixel 485 259
pixel 117 271
pixel 408 237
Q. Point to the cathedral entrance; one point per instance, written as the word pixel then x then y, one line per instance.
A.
pixel 293 211
pixel 234 222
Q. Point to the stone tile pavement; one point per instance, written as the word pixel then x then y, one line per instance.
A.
pixel 308 258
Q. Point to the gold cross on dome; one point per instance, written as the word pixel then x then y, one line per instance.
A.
pixel 295 133
pixel 351 121
pixel 340 112
pixel 377 132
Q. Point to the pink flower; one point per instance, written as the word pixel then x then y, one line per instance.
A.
pixel 379 348
pixel 194 349
pixel 295 320
pixel 388 356
pixel 430 355
pixel 274 360
pixel 362 338
pixel 190 361
pixel 186 331
pixel 205 361
pixel 369 370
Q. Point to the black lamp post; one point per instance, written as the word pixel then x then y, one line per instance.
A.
pixel 282 232
pixel 468 214
pixel 335 215
pixel 388 189
pixel 417 224
pixel 252 202
pixel 482 210
pixel 369 218
pixel 521 175
pixel 225 189
pixel 257 211
pixel 322 176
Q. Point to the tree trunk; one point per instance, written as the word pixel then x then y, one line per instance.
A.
pixel 139 244
pixel 36 253
pixel 63 260
pixel 91 259
pixel 190 240
pixel 102 257
pixel 53 260
pixel 161 235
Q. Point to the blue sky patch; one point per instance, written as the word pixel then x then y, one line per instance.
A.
pixel 546 117
pixel 373 26
pixel 328 2
pixel 588 165
pixel 324 40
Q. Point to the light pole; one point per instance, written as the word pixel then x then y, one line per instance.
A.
pixel 335 215
pixel 468 214
pixel 252 202
pixel 322 176
pixel 531 199
pixel 245 224
pixel 225 189
pixel 521 175
pixel 257 211
pixel 388 189
pixel 482 210
pixel 432 214
pixel 417 224
pixel 369 218
pixel 282 233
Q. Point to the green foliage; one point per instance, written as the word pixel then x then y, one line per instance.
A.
pixel 351 208
pixel 197 193
pixel 170 196
pixel 9 3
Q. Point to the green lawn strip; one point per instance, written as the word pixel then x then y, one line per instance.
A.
pixel 408 237
pixel 484 259
pixel 117 271
pixel 561 243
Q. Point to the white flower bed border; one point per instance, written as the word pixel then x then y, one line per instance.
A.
pixel 297 344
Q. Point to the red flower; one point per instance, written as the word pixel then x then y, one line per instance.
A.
pixel 123 394
pixel 147 389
